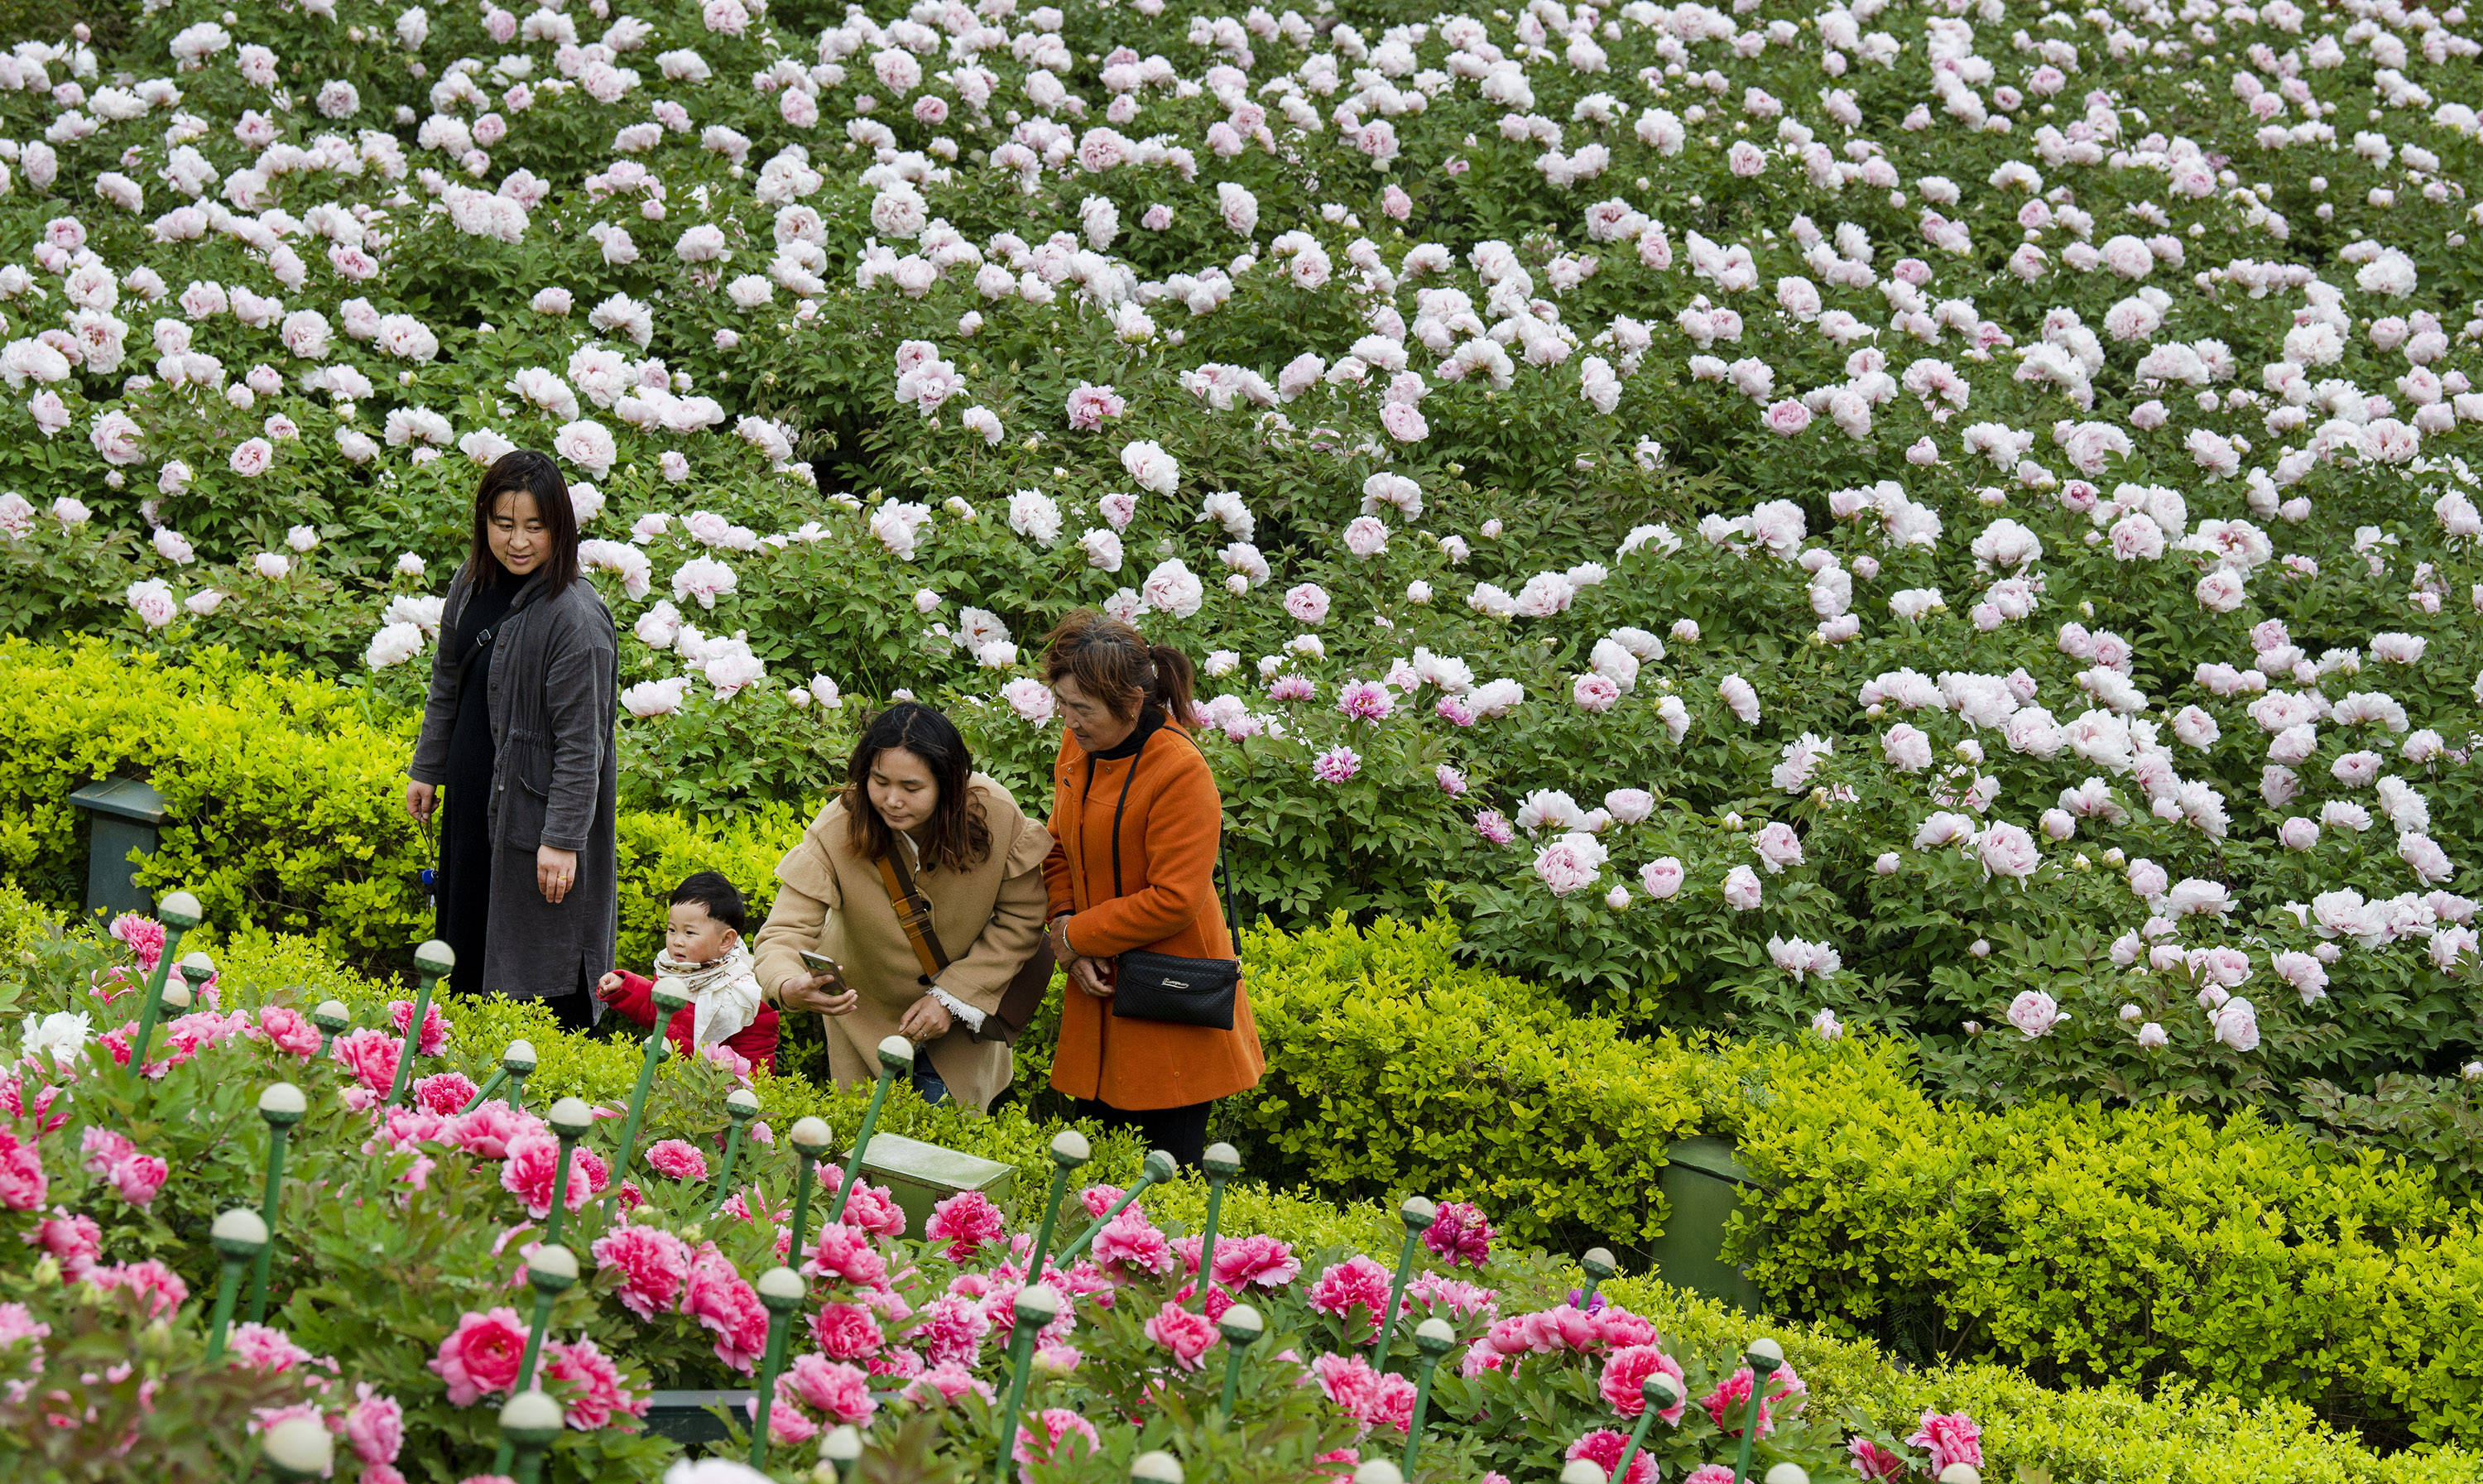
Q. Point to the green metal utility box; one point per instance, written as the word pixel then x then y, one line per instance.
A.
pixel 920 1176
pixel 1702 1184
pixel 125 816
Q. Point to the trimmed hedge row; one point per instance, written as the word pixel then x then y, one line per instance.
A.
pixel 285 795
pixel 2128 1244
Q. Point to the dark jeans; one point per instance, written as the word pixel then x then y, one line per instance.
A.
pixel 927 1082
pixel 1181 1132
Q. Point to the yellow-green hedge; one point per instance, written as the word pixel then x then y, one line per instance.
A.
pixel 286 798
pixel 2126 1244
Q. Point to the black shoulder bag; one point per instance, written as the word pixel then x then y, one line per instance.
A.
pixel 1159 986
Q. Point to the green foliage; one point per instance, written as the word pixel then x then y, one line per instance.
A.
pixel 2136 1244
pixel 1393 1066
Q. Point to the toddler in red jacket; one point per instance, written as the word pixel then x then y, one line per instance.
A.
pixel 703 948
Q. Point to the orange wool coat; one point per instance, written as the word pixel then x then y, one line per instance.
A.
pixel 1169 834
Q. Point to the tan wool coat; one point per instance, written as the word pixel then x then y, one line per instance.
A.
pixel 831 900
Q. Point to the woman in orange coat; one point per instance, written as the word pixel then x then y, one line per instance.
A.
pixel 1127 758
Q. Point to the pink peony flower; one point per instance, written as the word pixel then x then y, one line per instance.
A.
pixel 533 1168
pixel 965 1221
pixel 590 1389
pixel 1132 1244
pixel 481 1358
pixel 159 1290
pixel 1259 1259
pixel 1460 1234
pixel 1603 1447
pixel 718 1298
pixel 434 1027
pixel 1729 1405
pixel 1064 1435
pixel 832 1387
pixel 1357 1282
pixel 1873 1462
pixel 262 1347
pixel 74 1242
pixel 652 1263
pixel 144 937
pixel 950 1330
pixel 1951 1437
pixel 677 1158
pixel 847 1332
pixel 288 1030
pixel 370 1056
pixel 1089 406
pixel 1371 1397
pixel 1187 1334
pixel 1624 1381
pixel 374 1426
pixel 444 1093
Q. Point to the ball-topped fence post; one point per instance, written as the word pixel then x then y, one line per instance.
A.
pixel 299 1449
pixel 809 1138
pixel 1794 1473
pixel 282 1107
pixel 1658 1393
pixel 1960 1472
pixel 1585 1470
pixel 179 913
pixel 239 1236
pixel 1241 1328
pixel 332 1017
pixel 529 1422
pixel 895 1055
pixel 1155 1468
pixel 1599 1264
pixel 516 1064
pixel 670 994
pixel 1069 1150
pixel 740 1105
pixel 551 1269
pixel 432 963
pixel 1434 1338
pixel 1763 1357
pixel 1222 1161
pixel 571 1118
pixel 1035 1307
pixel 1159 1167
pixel 1379 1470
pixel 840 1455
pixel 779 1289
pixel 1417 1214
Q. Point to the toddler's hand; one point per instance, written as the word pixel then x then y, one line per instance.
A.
pixel 610 985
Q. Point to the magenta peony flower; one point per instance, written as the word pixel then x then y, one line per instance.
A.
pixel 533 1168
pixel 847 1332
pixel 652 1263
pixel 1357 1282
pixel 1460 1234
pixel 374 1426
pixel 1337 765
pixel 950 1330
pixel 832 1387
pixel 1132 1244
pixel 1729 1405
pixel 435 1028
pixel 370 1056
pixel 1624 1381
pixel 1261 1260
pixel 718 1298
pixel 160 1290
pixel 1951 1437
pixel 445 1092
pixel 1603 1447
pixel 1873 1462
pixel 1064 1435
pixel 288 1030
pixel 677 1158
pixel 965 1221
pixel 481 1358
pixel 595 1393
pixel 74 1242
pixel 1187 1334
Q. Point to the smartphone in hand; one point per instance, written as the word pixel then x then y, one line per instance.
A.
pixel 821 964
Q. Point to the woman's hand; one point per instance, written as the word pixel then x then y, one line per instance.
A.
pixel 419 801
pixel 825 993
pixel 925 1020
pixel 1089 975
pixel 1055 934
pixel 556 871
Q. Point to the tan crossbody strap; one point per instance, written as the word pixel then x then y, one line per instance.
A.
pixel 913 913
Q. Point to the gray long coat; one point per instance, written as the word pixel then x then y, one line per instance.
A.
pixel 555 777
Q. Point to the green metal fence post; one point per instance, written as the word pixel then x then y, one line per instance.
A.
pixel 1417 1214
pixel 529 1422
pixel 779 1289
pixel 299 1449
pixel 1434 1338
pixel 282 1107
pixel 571 1120
pixel 1598 1265
pixel 740 1105
pixel 332 1017
pixel 1763 1357
pixel 432 963
pixel 895 1055
pixel 239 1235
pixel 809 1138
pixel 1240 1328
pixel 1222 1161
pixel 179 913
pixel 670 994
pixel 1035 1307
pixel 1069 1150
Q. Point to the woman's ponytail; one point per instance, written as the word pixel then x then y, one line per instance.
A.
pixel 1176 683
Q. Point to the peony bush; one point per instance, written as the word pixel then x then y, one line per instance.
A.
pixel 398 1313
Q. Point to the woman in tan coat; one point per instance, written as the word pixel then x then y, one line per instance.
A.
pixel 1128 765
pixel 914 816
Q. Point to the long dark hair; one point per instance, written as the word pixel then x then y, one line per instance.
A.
pixel 524 471
pixel 1113 663
pixel 961 839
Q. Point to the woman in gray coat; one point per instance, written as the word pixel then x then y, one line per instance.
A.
pixel 518 730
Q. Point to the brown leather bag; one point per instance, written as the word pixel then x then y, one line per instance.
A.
pixel 1025 991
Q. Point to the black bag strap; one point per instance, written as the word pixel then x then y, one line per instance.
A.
pixel 1232 909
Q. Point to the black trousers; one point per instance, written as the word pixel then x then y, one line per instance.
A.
pixel 1181 1132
